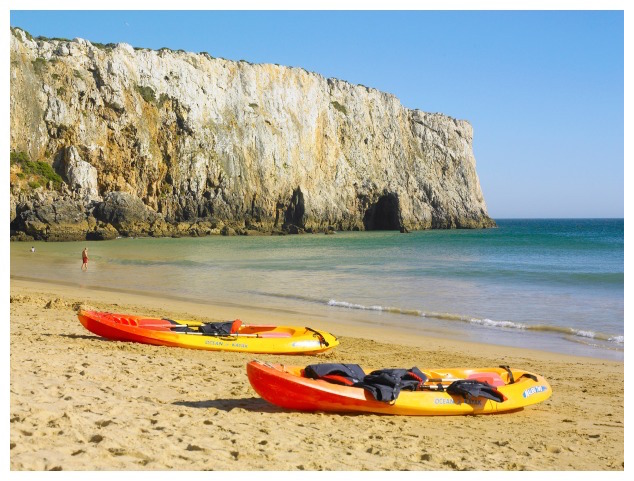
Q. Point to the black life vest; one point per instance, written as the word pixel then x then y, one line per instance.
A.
pixel 384 384
pixel 208 329
pixel 472 388
pixel 346 374
pixel 220 328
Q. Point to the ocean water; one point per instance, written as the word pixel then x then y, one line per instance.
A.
pixel 549 284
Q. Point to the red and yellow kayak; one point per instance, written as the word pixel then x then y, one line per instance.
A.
pixel 287 387
pixel 189 334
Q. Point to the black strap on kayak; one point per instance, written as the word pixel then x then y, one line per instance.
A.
pixel 178 327
pixel 182 329
pixel 508 370
pixel 322 339
pixel 529 376
pixel 513 380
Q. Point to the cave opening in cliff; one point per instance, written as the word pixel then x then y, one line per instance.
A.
pixel 294 214
pixel 384 214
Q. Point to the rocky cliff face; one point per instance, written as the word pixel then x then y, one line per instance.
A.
pixel 165 143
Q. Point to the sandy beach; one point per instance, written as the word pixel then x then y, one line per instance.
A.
pixel 79 402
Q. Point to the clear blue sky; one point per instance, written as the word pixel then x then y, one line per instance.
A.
pixel 543 90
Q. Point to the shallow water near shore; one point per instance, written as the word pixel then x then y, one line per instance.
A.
pixel 554 285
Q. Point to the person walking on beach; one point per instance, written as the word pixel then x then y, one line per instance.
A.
pixel 84 258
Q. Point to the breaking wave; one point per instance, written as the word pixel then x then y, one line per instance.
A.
pixel 483 322
pixel 446 316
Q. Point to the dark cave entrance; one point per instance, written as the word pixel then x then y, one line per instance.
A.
pixel 294 214
pixel 384 214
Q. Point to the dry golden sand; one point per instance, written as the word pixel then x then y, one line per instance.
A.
pixel 79 402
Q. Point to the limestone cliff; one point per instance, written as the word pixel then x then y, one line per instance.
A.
pixel 208 142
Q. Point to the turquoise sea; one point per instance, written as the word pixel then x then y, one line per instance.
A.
pixel 548 284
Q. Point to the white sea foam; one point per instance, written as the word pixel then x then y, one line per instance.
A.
pixel 580 333
pixel 486 322
pixel 492 323
pixel 349 305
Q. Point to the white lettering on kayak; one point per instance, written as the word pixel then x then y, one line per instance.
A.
pixel 534 390
pixel 305 344
pixel 474 402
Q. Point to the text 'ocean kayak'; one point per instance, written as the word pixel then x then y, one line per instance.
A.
pixel 227 336
pixel 496 390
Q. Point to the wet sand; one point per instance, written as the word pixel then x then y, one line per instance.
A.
pixel 79 402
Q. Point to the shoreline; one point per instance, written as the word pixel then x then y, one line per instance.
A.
pixel 402 334
pixel 202 228
pixel 79 402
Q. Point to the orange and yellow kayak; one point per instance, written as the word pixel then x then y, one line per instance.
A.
pixel 287 387
pixel 261 339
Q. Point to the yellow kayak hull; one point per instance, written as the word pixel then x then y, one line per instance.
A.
pixel 258 339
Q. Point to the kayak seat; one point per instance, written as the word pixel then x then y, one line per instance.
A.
pixel 235 327
pixel 492 378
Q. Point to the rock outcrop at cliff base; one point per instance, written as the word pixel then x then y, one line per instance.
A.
pixel 177 143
